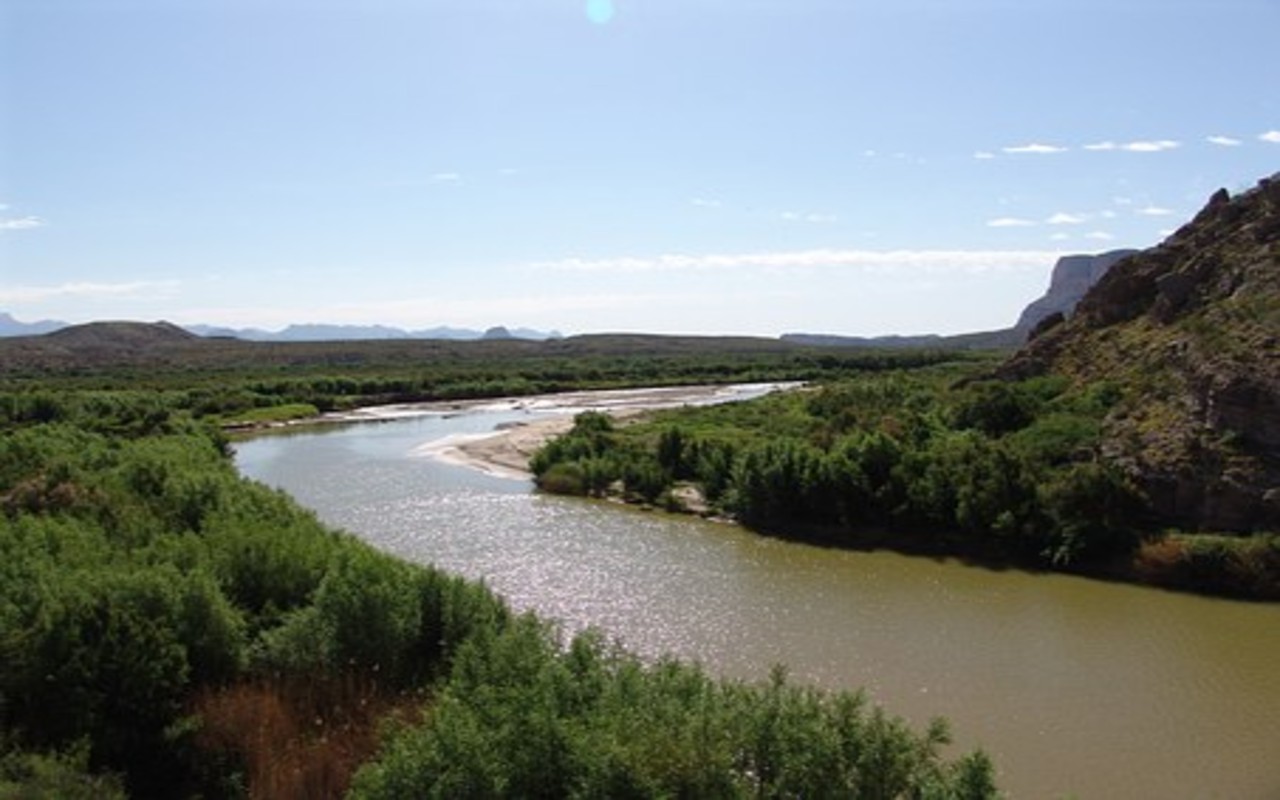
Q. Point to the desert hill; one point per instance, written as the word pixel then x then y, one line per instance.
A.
pixel 1189 332
pixel 119 335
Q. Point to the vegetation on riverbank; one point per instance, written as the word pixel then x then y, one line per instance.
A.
pixel 929 460
pixel 231 378
pixel 169 629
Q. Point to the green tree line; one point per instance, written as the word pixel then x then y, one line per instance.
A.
pixel 1009 470
pixel 929 459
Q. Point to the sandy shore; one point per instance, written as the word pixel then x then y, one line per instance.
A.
pixel 506 452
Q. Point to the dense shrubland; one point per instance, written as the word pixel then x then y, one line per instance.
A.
pixel 169 629
pixel 917 460
pixel 255 382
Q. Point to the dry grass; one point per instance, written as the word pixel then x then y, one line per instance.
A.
pixel 299 737
pixel 1159 560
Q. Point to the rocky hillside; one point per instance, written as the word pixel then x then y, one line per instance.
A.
pixel 1071 279
pixel 1189 332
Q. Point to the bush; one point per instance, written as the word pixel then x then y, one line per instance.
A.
pixel 564 479
pixel 521 717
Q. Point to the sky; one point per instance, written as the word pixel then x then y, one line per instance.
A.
pixel 668 166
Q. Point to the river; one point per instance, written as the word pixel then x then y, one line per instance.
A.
pixel 1075 687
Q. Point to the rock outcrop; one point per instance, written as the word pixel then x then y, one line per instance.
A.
pixel 1072 277
pixel 1189 331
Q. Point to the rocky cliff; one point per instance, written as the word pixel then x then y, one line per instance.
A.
pixel 1071 279
pixel 1189 332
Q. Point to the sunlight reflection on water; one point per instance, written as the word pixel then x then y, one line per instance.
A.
pixel 1072 685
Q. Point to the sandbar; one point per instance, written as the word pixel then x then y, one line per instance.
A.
pixel 505 452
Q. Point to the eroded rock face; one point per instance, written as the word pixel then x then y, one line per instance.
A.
pixel 1190 330
pixel 1070 280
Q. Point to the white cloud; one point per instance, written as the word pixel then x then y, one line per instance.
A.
pixel 1224 141
pixel 1060 237
pixel 1099 236
pixel 1152 147
pixel 702 202
pixel 1063 218
pixel 867 260
pixel 446 177
pixel 21 223
pixel 984 155
pixel 1155 211
pixel 1010 222
pixel 1147 146
pixel 29 294
pixel 1035 148
pixel 816 219
pixel 1270 136
pixel 412 311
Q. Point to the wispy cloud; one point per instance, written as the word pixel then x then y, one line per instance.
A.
pixel 1059 237
pixel 86 289
pixel 415 310
pixel 702 202
pixel 1063 218
pixel 1010 222
pixel 1224 141
pixel 21 223
pixel 984 155
pixel 446 177
pixel 1145 146
pixel 1155 211
pixel 810 217
pixel 1270 136
pixel 1035 148
pixel 1099 236
pixel 868 260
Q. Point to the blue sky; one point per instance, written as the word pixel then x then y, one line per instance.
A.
pixel 680 166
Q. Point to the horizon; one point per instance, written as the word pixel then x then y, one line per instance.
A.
pixel 667 167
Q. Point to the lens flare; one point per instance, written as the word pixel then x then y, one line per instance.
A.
pixel 600 11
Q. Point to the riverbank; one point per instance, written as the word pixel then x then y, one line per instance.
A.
pixel 506 451
pixel 1054 676
pixel 1223 566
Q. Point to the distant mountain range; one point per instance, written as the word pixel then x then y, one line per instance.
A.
pixel 307 332
pixel 1071 278
pixel 313 332
pixel 12 327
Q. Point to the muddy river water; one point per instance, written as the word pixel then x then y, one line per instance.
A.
pixel 1075 687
